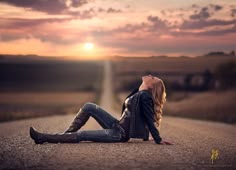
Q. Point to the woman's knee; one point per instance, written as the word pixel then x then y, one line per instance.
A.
pixel 89 107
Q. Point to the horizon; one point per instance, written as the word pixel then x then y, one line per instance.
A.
pixel 71 58
pixel 100 29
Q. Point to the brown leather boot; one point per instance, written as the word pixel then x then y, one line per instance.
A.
pixel 40 138
pixel 80 119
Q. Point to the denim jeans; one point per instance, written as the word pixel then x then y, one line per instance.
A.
pixel 106 120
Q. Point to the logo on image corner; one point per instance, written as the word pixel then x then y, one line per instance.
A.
pixel 214 155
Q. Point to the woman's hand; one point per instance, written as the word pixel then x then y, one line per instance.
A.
pixel 165 142
pixel 150 138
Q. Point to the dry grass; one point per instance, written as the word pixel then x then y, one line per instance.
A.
pixel 217 106
pixel 20 105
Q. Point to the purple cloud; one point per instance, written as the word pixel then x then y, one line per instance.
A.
pixel 233 12
pixel 110 10
pixel 13 23
pixel 217 7
pixel 203 14
pixel 157 23
pixel 189 24
pixel 78 3
pixel 48 6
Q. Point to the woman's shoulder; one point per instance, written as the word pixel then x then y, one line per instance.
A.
pixel 145 96
pixel 145 93
pixel 142 93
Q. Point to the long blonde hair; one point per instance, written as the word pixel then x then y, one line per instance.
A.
pixel 159 98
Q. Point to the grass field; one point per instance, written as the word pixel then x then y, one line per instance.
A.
pixel 57 76
pixel 217 106
pixel 20 105
pixel 40 88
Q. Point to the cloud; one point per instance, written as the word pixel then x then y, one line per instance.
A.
pixel 218 32
pixel 110 10
pixel 131 28
pixel 59 7
pixel 195 6
pixel 85 14
pixel 203 14
pixel 202 22
pixel 11 36
pixel 53 36
pixel 158 27
pixel 157 24
pixel 47 6
pixel 13 23
pixel 215 7
pixel 78 3
pixel 189 24
pixel 153 26
pixel 22 28
pixel 233 12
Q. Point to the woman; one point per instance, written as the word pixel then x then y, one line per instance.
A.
pixel 141 113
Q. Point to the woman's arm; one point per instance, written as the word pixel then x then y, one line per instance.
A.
pixel 147 107
pixel 148 112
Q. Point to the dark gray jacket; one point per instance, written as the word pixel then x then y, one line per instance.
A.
pixel 142 115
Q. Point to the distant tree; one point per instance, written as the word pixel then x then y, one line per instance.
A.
pixel 188 81
pixel 215 53
pixel 207 80
pixel 232 53
pixel 175 85
pixel 225 74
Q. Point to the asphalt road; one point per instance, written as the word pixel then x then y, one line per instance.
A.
pixel 193 143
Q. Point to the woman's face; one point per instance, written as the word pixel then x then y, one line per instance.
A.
pixel 150 80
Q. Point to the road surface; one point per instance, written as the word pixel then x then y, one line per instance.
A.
pixel 193 143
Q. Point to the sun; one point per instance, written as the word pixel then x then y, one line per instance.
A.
pixel 88 46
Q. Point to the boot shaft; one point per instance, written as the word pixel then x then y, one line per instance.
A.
pixel 80 119
pixel 61 138
pixel 40 138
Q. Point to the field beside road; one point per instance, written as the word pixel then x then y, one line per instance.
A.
pixel 33 88
pixel 19 105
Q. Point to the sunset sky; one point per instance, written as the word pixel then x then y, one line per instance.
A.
pixel 96 28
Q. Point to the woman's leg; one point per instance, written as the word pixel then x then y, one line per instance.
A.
pixel 105 135
pixel 105 119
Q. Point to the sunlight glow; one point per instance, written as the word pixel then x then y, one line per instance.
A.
pixel 88 46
